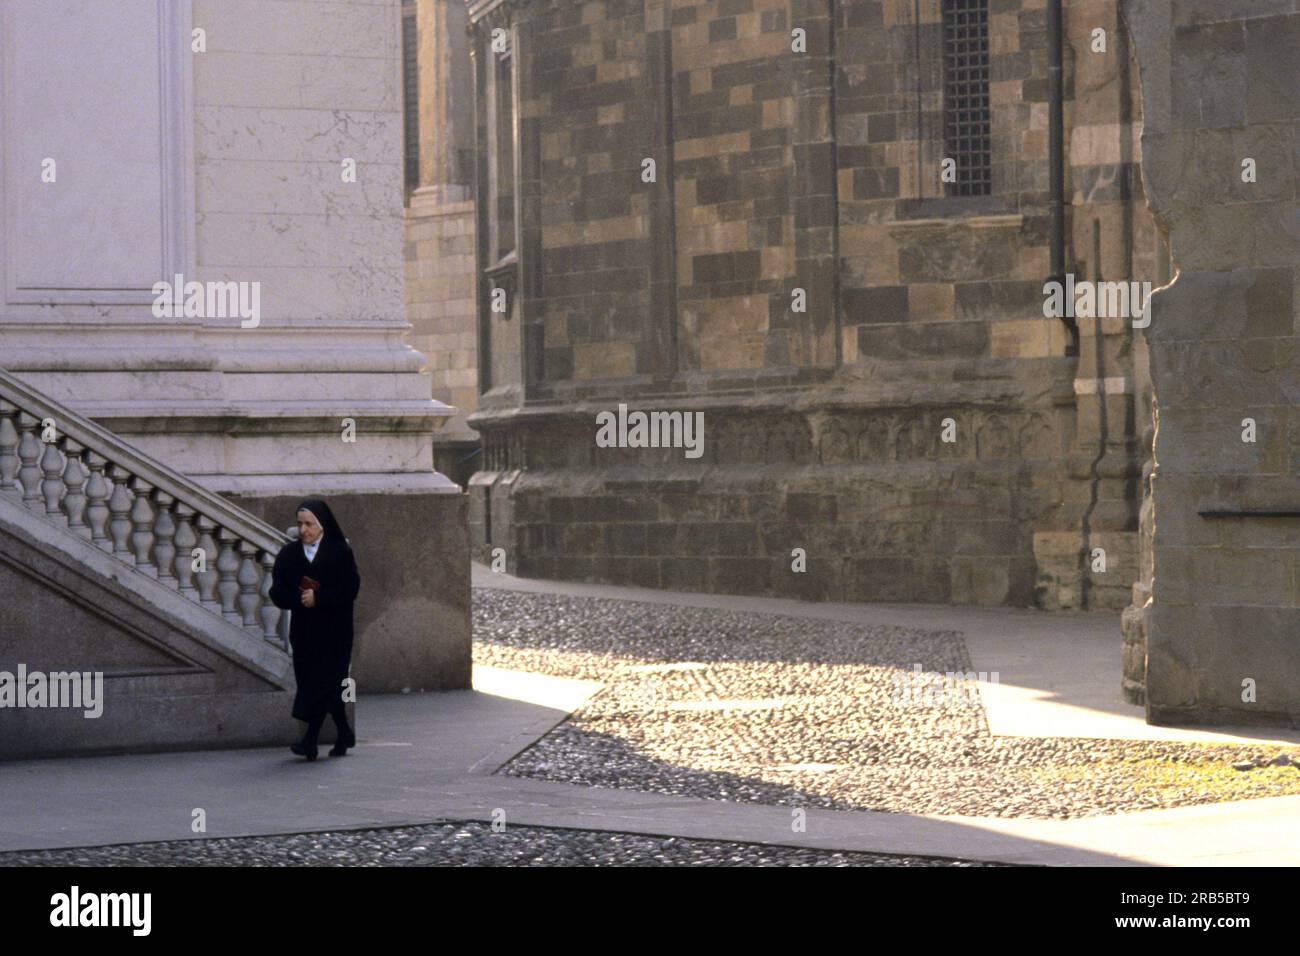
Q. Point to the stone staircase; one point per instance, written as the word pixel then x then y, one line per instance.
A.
pixel 113 563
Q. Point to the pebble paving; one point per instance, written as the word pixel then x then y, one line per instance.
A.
pixel 750 707
pixel 460 844
pixel 764 708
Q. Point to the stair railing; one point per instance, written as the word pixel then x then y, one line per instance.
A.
pixel 82 477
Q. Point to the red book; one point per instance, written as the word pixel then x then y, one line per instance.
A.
pixel 308 584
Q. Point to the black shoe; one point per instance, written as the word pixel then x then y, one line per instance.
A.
pixel 342 743
pixel 303 749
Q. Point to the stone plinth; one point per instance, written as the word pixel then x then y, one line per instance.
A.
pixel 412 615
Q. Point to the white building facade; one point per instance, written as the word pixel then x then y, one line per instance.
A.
pixel 254 142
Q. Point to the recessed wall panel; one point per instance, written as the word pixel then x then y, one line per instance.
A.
pixel 92 86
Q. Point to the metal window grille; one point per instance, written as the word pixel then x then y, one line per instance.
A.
pixel 967 123
pixel 410 103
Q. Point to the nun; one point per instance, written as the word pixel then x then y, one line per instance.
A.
pixel 316 579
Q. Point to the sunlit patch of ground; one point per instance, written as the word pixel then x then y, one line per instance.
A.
pixel 763 708
pixel 1189 777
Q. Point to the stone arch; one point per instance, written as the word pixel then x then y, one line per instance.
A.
pixel 834 445
pixel 1037 438
pixel 873 441
pixel 993 440
pixel 911 441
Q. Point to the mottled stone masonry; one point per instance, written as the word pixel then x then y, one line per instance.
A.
pixel 817 171
pixel 440 304
pixel 885 512
pixel 1220 604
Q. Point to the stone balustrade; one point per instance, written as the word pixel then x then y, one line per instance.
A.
pixel 83 478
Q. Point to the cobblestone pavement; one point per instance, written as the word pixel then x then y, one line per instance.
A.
pixel 459 844
pixel 770 709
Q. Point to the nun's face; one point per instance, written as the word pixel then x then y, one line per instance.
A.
pixel 309 529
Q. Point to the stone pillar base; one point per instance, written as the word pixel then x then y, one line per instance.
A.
pixel 413 613
pixel 1133 625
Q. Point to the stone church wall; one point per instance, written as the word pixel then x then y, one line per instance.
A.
pixel 818 171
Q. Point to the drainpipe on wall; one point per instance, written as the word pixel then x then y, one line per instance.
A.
pixel 1056 159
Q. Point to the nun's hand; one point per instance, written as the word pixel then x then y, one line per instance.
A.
pixel 308 598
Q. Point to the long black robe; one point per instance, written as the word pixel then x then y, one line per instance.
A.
pixel 321 636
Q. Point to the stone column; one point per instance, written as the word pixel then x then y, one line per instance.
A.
pixel 441 26
pixel 440 229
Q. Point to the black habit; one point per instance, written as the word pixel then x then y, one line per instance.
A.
pixel 321 636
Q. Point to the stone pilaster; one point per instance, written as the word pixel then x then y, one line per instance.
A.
pixel 439 250
pixel 1218 85
pixel 445 102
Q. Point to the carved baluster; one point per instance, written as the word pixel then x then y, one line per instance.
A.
pixel 208 577
pixel 97 492
pixel 119 506
pixel 8 449
pixel 52 484
pixel 74 479
pixel 249 579
pixel 164 531
pixel 227 570
pixel 270 613
pixel 142 519
pixel 186 540
pixel 29 452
